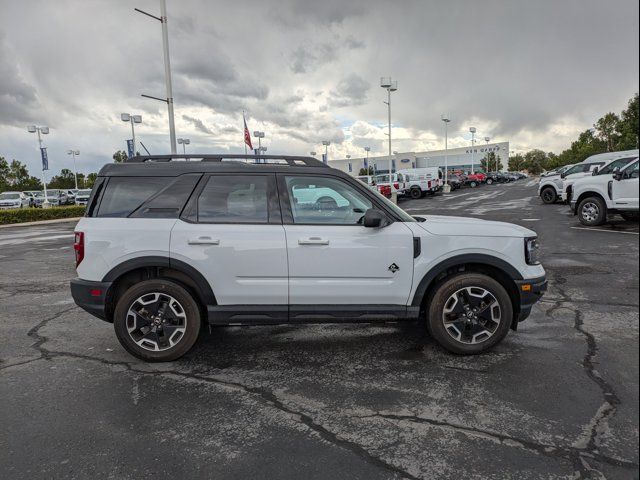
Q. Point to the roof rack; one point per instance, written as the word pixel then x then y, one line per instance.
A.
pixel 239 158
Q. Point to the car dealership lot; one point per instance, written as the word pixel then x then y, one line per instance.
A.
pixel 555 399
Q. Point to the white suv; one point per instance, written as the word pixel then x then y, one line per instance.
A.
pixel 168 245
pixel 611 191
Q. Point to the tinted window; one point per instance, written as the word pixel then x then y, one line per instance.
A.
pixel 234 199
pixel 325 200
pixel 169 202
pixel 631 171
pixel 619 163
pixel 123 195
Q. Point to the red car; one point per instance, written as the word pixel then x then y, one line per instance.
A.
pixel 475 179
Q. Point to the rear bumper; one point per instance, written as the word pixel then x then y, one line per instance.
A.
pixel 91 296
pixel 530 292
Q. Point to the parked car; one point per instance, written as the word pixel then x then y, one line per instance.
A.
pixel 496 177
pixel 399 183
pixel 475 179
pixel 422 181
pixel 30 196
pixel 166 246
pixel 13 200
pixel 610 191
pixel 550 186
pixel 609 165
pixel 71 196
pixel 57 197
pixel 82 197
pixel 454 181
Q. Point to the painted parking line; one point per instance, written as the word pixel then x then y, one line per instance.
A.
pixel 604 230
pixel 18 241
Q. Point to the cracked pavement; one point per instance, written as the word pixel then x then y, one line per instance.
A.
pixel 557 399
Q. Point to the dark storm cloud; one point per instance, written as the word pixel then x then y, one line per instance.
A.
pixel 304 71
pixel 350 91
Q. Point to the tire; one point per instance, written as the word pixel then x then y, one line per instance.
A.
pixel 549 195
pixel 592 211
pixel 415 193
pixel 473 184
pixel 185 325
pixel 489 181
pixel 483 336
pixel 630 216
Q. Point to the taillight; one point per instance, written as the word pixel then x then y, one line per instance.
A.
pixel 396 186
pixel 78 247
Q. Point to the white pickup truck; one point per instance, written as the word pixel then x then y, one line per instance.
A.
pixel 595 197
pixel 422 181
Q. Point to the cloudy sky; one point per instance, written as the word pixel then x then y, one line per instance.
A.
pixel 534 73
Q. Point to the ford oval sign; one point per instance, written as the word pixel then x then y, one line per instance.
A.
pixel 405 160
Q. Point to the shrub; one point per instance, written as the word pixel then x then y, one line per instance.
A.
pixel 21 215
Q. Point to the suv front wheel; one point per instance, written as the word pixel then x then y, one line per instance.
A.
pixel 469 313
pixel 157 320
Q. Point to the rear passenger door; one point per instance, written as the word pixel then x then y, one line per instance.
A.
pixel 231 231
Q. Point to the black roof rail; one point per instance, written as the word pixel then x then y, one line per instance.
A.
pixel 239 158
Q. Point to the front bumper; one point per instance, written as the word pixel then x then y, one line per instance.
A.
pixel 530 291
pixel 91 296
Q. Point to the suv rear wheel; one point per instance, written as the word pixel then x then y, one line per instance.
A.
pixel 157 320
pixel 549 195
pixel 469 313
pixel 592 212
pixel 489 181
pixel 415 193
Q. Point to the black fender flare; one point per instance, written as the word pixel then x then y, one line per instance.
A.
pixel 204 288
pixel 459 260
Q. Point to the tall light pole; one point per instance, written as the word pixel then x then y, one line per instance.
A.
pixel 366 149
pixel 184 142
pixel 73 153
pixel 473 141
pixel 390 86
pixel 43 131
pixel 127 117
pixel 259 136
pixel 326 144
pixel 446 119
pixel 167 71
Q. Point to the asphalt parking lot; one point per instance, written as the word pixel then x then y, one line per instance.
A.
pixel 557 399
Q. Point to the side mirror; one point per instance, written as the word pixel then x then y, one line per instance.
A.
pixel 563 175
pixel 617 174
pixel 375 219
pixel 595 171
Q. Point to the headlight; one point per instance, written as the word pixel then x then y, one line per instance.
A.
pixel 532 251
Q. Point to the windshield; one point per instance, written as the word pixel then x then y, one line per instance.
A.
pixel 575 169
pixel 619 163
pixel 53 193
pixel 84 193
pixel 9 196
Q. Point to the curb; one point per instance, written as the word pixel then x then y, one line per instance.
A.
pixel 41 222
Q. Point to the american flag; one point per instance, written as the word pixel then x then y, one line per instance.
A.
pixel 247 136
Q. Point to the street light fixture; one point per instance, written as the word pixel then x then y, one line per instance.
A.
pixel 41 131
pixel 390 86
pixel 473 141
pixel 486 139
pixel 184 142
pixel 313 154
pixel 446 119
pixel 326 144
pixel 75 172
pixel 127 117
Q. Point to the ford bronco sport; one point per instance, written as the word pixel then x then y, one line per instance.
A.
pixel 168 245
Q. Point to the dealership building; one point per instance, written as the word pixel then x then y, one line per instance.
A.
pixel 456 159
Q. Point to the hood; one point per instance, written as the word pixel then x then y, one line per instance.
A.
pixel 472 227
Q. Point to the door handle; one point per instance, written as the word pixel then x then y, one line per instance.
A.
pixel 313 241
pixel 204 241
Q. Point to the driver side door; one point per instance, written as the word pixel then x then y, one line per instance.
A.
pixel 333 258
pixel 625 190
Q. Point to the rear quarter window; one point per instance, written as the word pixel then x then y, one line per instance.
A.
pixel 123 195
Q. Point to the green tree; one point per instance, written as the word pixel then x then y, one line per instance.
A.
pixel 534 161
pixel 607 130
pixel 488 163
pixel 65 180
pixel 4 174
pixel 18 174
pixel 629 125
pixel 120 156
pixel 363 171
pixel 91 179
pixel 516 162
